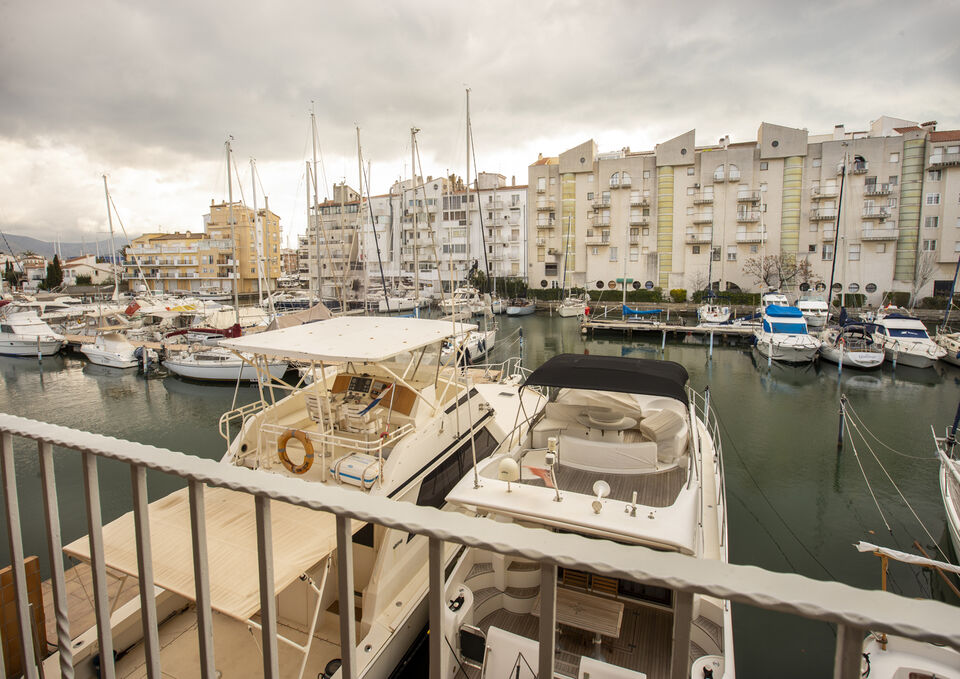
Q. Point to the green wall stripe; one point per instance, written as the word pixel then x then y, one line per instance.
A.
pixel 665 223
pixel 911 189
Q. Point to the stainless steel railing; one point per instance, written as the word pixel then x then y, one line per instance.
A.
pixel 855 611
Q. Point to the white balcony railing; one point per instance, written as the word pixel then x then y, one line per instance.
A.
pixel 746 216
pixel 818 192
pixel 875 212
pixel 876 189
pixel 748 196
pixel 823 213
pixel 880 234
pixel 704 218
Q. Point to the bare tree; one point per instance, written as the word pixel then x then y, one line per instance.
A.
pixel 765 270
pixel 698 280
pixel 926 268
pixel 806 274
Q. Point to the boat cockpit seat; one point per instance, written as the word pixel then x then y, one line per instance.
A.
pixel 669 430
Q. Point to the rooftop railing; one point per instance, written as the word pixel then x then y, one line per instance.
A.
pixel 854 611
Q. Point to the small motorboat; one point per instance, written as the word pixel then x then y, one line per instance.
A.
pixel 521 306
pixel 851 345
pixel 782 336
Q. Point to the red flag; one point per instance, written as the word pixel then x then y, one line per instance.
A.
pixel 543 474
pixel 132 309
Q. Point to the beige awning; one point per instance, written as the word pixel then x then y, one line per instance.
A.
pixel 301 538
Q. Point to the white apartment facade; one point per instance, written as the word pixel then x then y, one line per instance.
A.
pixel 683 214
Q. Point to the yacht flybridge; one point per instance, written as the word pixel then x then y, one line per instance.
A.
pixel 622 452
pixel 23 333
pixel 382 416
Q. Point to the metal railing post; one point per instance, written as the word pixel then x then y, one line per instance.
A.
pixel 15 540
pixel 268 602
pixel 348 632
pixel 98 565
pixel 54 548
pixel 849 652
pixel 548 618
pixel 201 578
pixel 436 607
pixel 148 602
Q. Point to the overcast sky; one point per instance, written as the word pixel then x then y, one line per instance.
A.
pixel 148 92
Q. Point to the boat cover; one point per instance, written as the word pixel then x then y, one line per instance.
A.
pixel 627 311
pixel 301 538
pixel 612 373
pixel 783 311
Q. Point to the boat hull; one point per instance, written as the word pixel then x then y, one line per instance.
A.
pixel 787 353
pixel 815 320
pixel 15 347
pixel 525 310
pixel 397 304
pixel 865 360
pixel 108 358
pixel 950 492
pixel 909 358
pixel 570 311
pixel 220 373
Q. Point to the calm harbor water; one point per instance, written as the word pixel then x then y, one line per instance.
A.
pixel 796 504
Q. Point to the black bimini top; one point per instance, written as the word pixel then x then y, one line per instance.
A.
pixel 612 373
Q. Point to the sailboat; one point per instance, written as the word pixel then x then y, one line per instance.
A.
pixel 572 305
pixel 710 312
pixel 949 340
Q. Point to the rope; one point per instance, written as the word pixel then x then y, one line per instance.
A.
pixel 866 480
pixel 927 458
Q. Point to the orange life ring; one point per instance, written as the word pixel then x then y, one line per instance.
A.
pixel 307 449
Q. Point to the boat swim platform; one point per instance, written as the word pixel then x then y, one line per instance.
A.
pixel 591 326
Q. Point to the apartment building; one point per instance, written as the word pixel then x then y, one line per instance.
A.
pixel 332 242
pixel 682 214
pixel 196 262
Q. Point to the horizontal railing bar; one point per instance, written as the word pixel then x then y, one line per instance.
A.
pixel 784 592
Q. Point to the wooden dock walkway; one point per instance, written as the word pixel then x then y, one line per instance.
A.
pixel 592 325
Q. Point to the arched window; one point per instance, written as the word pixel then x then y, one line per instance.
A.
pixel 626 180
pixel 734 173
pixel 614 180
pixel 718 174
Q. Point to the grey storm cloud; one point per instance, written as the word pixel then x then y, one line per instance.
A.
pixel 149 91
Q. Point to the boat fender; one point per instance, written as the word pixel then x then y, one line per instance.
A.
pixel 304 466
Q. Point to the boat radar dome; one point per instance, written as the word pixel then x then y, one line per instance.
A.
pixel 508 470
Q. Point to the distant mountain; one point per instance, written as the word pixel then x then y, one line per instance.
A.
pixel 21 244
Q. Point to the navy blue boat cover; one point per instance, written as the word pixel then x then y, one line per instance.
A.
pixel 612 373
pixel 784 311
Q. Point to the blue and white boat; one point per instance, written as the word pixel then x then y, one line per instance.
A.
pixel 783 335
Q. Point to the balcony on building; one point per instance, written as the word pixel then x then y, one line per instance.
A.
pixel 876 189
pixel 747 216
pixel 545 205
pixel 818 192
pixel 880 234
pixel 541 189
pixel 858 166
pixel 697 237
pixel 541 242
pixel 703 218
pixel 944 159
pixel 626 182
pixel 601 202
pixel 748 196
pixel 597 239
pixel 751 236
pixel 639 221
pixel 602 220
pixel 875 212
pixel 702 198
pixel 639 201
pixel 546 223
pixel 823 213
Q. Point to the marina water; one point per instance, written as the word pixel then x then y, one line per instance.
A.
pixel 796 504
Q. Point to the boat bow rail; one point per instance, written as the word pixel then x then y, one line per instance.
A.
pixel 853 610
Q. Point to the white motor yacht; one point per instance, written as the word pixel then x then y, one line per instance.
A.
pixel 773 297
pixel 217 364
pixel 950 343
pixel 572 306
pixel 397 303
pixel 851 345
pixel 905 340
pixel 382 418
pixel 23 333
pixel 110 346
pixel 465 301
pixel 621 452
pixel 814 310
pixel 470 344
pixel 782 335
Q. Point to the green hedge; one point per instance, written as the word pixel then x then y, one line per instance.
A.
pixel 742 298
pixel 938 302
pixel 851 300
pixel 654 296
pixel 898 298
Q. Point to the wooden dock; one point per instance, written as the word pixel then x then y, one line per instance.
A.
pixel 592 325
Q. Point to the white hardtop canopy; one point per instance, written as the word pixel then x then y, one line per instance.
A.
pixel 361 339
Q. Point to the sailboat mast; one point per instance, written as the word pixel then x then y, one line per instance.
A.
pixel 469 220
pixel 833 264
pixel 233 238
pixel 256 231
pixel 315 235
pixel 113 247
pixel 316 204
pixel 416 233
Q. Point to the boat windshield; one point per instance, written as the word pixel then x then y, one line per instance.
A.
pixel 785 328
pixel 916 333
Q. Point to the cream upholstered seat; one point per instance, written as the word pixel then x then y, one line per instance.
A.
pixel 668 430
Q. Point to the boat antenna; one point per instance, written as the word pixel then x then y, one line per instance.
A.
pixel 833 265
pixel 113 246
pixel 365 179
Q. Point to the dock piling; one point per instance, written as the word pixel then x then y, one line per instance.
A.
pixel 843 403
pixel 710 355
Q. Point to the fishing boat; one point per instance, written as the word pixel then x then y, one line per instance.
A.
pixel 382 418
pixel 782 335
pixel 623 451
pixel 218 364
pixel 851 344
pixel 24 333
pixel 814 310
pixel 904 338
pixel 521 306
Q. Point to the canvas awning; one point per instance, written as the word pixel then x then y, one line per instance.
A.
pixel 301 538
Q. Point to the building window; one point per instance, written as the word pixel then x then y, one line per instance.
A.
pixel 853 252
pixel 754 249
pixel 590 195
pixel 893 180
pixel 764 165
pixel 894 157
pixel 541 184
pixel 595 251
pixel 634 254
pixel 613 254
pixel 646 174
pixel 929 245
pixel 933 175
pixel 691 191
pixel 696 249
pixel 827 252
pixel 956 246
pixel 812 247
pixel 933 199
pixel 646 229
pixel 817 162
pixel 891 202
pixel 716 254
pixel 690 171
pixel 931 222
pixel 731 253
pixel 553 181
